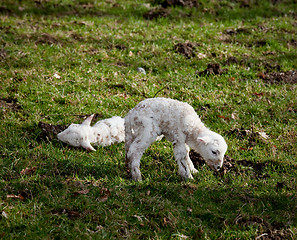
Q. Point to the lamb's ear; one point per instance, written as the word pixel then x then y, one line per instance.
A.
pixel 88 120
pixel 204 139
pixel 87 146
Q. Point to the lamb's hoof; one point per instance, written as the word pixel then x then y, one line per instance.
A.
pixel 137 178
pixel 190 177
pixel 136 174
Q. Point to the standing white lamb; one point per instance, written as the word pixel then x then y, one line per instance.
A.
pixel 104 133
pixel 180 124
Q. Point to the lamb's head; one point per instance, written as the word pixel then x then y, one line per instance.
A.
pixel 77 135
pixel 212 147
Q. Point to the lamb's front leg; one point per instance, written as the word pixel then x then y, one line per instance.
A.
pixel 189 161
pixel 181 154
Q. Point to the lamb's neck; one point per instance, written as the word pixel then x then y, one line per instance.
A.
pixel 202 131
pixel 95 134
pixel 195 133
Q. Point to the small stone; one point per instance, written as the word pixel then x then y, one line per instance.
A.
pixel 141 70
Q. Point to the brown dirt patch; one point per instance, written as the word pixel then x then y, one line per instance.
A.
pixel 212 69
pixel 231 60
pixel 268 231
pixel 292 43
pixel 276 235
pixel 46 38
pixel 77 37
pixel 246 221
pixel 183 3
pixel 232 165
pixel 120 46
pixel 242 133
pixel 4 9
pixel 232 31
pixel 280 77
pixel 71 214
pixel 228 165
pixel 11 104
pixel 157 12
pixel 267 66
pixel 187 49
pixel 49 131
pixel 3 53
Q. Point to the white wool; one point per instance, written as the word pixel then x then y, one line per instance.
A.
pixel 180 124
pixel 104 133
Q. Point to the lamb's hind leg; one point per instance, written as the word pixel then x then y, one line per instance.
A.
pixel 133 156
pixel 134 153
pixel 181 154
pixel 137 141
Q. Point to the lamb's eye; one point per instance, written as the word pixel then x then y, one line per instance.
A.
pixel 214 152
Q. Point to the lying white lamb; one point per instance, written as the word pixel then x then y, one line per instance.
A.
pixel 104 133
pixel 179 123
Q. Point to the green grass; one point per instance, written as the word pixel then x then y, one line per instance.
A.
pixel 95 47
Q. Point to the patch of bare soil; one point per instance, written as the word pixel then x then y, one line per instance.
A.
pixel 242 133
pixel 212 69
pixel 228 165
pixel 49 131
pixel 46 38
pixel 71 214
pixel 187 49
pixel 77 37
pixel 268 231
pixel 232 165
pixel 4 9
pixel 268 66
pixel 183 3
pixel 232 31
pixel 120 46
pixel 231 60
pixel 276 235
pixel 245 3
pixel 3 53
pixel 280 77
pixel 292 43
pixel 157 12
pixel 11 104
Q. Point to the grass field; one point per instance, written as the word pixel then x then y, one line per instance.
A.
pixel 234 61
